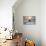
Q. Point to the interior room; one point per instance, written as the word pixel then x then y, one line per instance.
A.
pixel 22 22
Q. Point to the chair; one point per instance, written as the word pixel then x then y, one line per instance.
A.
pixel 29 43
pixel 18 37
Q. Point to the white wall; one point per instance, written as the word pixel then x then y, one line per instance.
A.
pixel 29 8
pixel 43 22
pixel 6 13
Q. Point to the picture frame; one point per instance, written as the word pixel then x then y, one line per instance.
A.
pixel 29 20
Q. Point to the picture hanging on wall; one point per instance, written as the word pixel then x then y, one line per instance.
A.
pixel 29 20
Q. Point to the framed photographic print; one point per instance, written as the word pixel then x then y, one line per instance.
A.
pixel 29 20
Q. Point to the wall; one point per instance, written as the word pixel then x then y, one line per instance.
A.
pixel 43 22
pixel 29 8
pixel 6 13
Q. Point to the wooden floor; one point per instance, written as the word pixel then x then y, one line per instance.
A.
pixel 9 43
